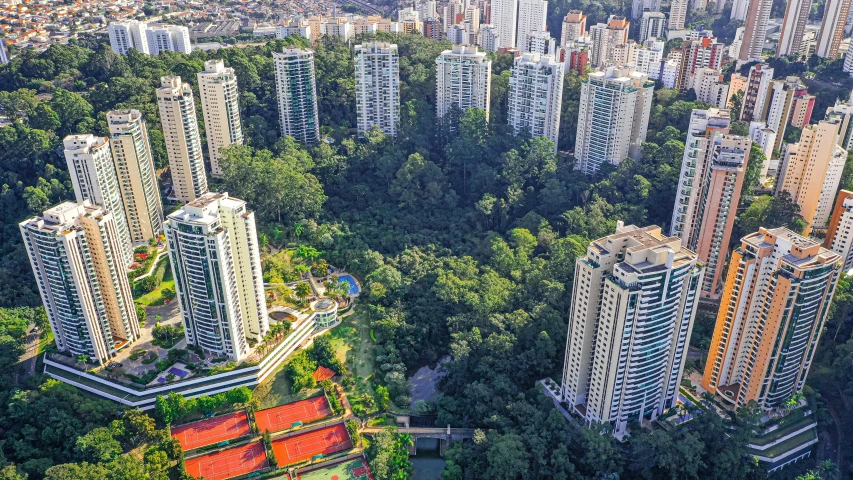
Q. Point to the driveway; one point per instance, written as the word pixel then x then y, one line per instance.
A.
pixel 171 316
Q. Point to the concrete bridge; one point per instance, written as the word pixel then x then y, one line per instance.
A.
pixel 444 435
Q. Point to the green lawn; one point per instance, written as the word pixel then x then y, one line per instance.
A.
pixel 45 340
pixel 155 297
pixel 352 343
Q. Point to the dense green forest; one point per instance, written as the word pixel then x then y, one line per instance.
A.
pixel 464 238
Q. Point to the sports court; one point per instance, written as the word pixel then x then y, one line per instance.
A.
pixel 284 416
pixel 215 430
pixel 353 469
pixel 304 446
pixel 229 463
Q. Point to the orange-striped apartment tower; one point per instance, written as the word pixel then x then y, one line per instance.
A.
pixel 775 302
pixel 839 236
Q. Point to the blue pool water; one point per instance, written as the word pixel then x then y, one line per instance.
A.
pixel 353 286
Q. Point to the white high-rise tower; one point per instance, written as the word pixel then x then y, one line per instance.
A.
pixel 183 144
pixel 377 87
pixel 217 87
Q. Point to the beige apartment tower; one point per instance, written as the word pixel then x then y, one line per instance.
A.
pixel 183 144
pixel 137 177
pixel 774 306
pixel 463 78
pixel 217 87
pixel 76 257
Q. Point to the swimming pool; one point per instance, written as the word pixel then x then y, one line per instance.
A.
pixel 353 285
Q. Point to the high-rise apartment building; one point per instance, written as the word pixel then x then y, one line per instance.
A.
pixel 677 14
pixel 652 25
pixel 709 187
pixel 531 18
pixel 127 35
pixel 755 30
pixel 220 105
pixel 842 113
pixel 183 143
pixel 633 304
pixel 377 87
pixel 432 28
pixel 168 38
pixel 605 37
pixel 297 94
pixel 463 79
pixel 488 38
pixel 778 106
pixel 214 251
pixel 134 164
pixel 835 14
pixel 774 306
pixel 574 27
pixel 613 117
pixel 95 179
pixel 638 7
pixel 811 171
pixel 536 95
pixel 710 87
pixel 76 257
pixel 755 95
pixel 704 52
pixel 539 42
pixel 839 235
pixel 504 16
pixel 802 107
pixel 793 27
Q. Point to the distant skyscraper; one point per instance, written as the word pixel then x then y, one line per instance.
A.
pixel 213 249
pixel 488 38
pixel 432 28
pixel 835 14
pixel 755 96
pixel 704 52
pixel 842 113
pixel 183 144
pixel 463 78
pixel 504 16
pixel 778 106
pixel 539 42
pixel 168 38
pixel 677 14
pixel 633 304
pixel 377 87
pixel 709 187
pixel 76 257
pixel 220 104
pixel 297 94
pixel 94 177
pixel 613 118
pixel 793 27
pixel 774 306
pixel 535 95
pixel 811 171
pixel 652 25
pixel 605 37
pixel 839 236
pixel 755 32
pixel 574 27
pixel 131 153
pixel 640 6
pixel 532 15
pixel 127 35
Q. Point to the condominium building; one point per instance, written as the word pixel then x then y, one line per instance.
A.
pixel 134 164
pixel 536 96
pixel 755 30
pixel 168 38
pixel 463 79
pixel 755 95
pixel 633 304
pixel 183 144
pixel 214 252
pixel 703 52
pixel 839 235
pixel 802 107
pixel 835 15
pixel 94 177
pixel 432 28
pixel 774 306
pixel 453 13
pixel 574 28
pixel 488 38
pixel 811 171
pixel 709 187
pixel 76 257
pixel 460 34
pixel 539 42
pixel 793 27
pixel 652 25
pixel 778 106
pixel 710 87
pixel 677 14
pixel 638 7
pixel 605 37
pixel 297 94
pixel 613 117
pixel 127 35
pixel 220 105
pixel 843 114
pixel 532 15
pixel 504 16
pixel 765 139
pixel 377 87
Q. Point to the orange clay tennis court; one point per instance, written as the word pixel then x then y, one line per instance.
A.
pixel 215 430
pixel 229 463
pixel 302 447
pixel 284 416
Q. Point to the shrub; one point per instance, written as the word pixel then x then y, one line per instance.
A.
pixel 150 359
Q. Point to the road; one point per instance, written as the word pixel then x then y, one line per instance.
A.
pixel 28 359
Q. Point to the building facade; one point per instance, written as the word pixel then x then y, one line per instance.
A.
pixel 504 16
pixel 536 96
pixel 774 306
pixel 839 235
pixel 297 94
pixel 220 105
pixel 183 143
pixel 134 164
pixel 633 304
pixel 755 30
pixel 76 257
pixel 463 79
pixel 835 15
pixel 168 38
pixel 574 28
pixel 793 27
pixel 127 35
pixel 377 87
pixel 532 15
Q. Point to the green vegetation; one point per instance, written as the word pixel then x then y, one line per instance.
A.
pixel 388 454
pixel 163 289
pixel 175 406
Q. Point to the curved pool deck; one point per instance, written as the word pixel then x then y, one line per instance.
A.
pixel 354 288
